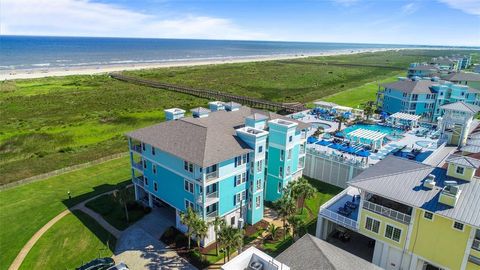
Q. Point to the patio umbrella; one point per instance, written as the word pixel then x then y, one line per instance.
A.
pixel 363 153
pixel 350 150
pixel 324 143
pixel 311 139
pixel 339 134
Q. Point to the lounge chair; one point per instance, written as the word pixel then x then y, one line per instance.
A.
pixel 344 211
pixel 351 205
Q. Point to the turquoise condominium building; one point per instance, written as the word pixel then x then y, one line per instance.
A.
pixel 223 161
pixel 423 96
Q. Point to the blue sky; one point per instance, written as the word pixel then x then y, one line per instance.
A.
pixel 432 22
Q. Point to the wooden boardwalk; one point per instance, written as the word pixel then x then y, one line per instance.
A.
pixel 284 108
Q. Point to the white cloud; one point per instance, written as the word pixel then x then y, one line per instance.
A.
pixel 409 8
pixel 86 18
pixel 467 6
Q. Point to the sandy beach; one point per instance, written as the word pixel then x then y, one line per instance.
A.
pixel 91 70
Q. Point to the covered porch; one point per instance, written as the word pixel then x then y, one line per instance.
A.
pixel 404 120
pixel 372 138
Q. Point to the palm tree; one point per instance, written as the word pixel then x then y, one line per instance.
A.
pixel 200 230
pixel 121 195
pixel 188 219
pixel 302 190
pixel 368 108
pixel 272 231
pixel 230 238
pixel 285 208
pixel 318 132
pixel 340 120
pixel 297 225
pixel 217 223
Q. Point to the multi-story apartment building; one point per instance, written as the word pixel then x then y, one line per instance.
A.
pixel 217 161
pixel 423 96
pixel 471 79
pixel 418 216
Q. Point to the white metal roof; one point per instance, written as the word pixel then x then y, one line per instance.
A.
pixel 405 116
pixel 367 134
pixel 324 103
pixel 342 108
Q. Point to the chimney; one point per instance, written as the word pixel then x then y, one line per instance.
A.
pixel 200 112
pixel 216 106
pixel 232 106
pixel 174 114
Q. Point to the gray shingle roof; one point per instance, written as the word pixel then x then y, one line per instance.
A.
pixel 401 180
pixel 464 161
pixel 200 110
pixel 203 141
pixel 411 87
pixel 424 67
pixel 463 76
pixel 310 253
pixel 462 106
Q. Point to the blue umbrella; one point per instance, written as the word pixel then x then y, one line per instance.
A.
pixel 339 134
pixel 334 146
pixel 363 153
pixel 311 139
pixel 324 143
pixel 350 150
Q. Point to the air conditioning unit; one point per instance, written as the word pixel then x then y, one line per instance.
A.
pixel 255 265
pixel 429 182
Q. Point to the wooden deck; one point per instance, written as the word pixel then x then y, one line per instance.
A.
pixel 282 108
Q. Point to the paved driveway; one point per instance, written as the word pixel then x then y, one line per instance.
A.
pixel 139 247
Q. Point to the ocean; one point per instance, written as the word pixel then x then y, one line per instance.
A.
pixel 31 52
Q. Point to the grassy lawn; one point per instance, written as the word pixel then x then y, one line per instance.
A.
pixel 72 241
pixel 25 209
pixel 356 96
pixel 52 123
pixel 114 212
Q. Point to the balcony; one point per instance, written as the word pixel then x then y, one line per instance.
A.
pixel 336 210
pixel 137 148
pixel 210 198
pixel 476 244
pixel 212 215
pixel 137 165
pixel 138 181
pixel 387 212
pixel 211 176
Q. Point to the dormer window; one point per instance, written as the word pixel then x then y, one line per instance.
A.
pixel 460 170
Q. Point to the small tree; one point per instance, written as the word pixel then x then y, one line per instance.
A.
pixel 340 120
pixel 230 238
pixel 200 230
pixel 188 218
pixel 217 223
pixel 272 231
pixel 369 108
pixel 297 225
pixel 318 132
pixel 302 190
pixel 285 208
pixel 121 195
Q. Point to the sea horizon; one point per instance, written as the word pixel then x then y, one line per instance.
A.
pixel 52 52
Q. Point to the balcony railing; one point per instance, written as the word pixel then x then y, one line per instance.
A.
pixel 210 197
pixel 137 165
pixel 137 148
pixel 138 181
pixel 341 220
pixel 212 215
pixel 387 212
pixel 211 176
pixel 476 244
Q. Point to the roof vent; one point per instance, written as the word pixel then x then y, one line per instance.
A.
pixel 435 79
pixel 255 265
pixel 429 182
pixel 232 106
pixel 450 193
pixel 415 78
pixel 216 106
pixel 200 112
pixel 174 114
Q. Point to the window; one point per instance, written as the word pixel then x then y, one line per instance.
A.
pixel 145 181
pixel 155 186
pixel 282 154
pixel 240 178
pixel 237 198
pixel 288 170
pixel 259 184
pixel 241 160
pixel 144 164
pixel 257 202
pixel 153 151
pixel 232 221
pixel 143 146
pixel 393 233
pixel 458 226
pixel 289 153
pixel 372 225
pixel 154 168
pixel 187 166
pixel 188 204
pixel 280 171
pixel 279 188
pixel 290 139
pixel 188 186
pixel 460 170
pixel 260 149
pixel 259 166
pixel 428 215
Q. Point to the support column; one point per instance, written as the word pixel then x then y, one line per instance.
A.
pixel 136 192
pixel 150 200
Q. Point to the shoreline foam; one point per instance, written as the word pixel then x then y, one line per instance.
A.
pixel 92 70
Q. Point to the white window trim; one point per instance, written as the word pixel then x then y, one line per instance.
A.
pixel 456 170
pixel 433 216
pixel 373 219
pixel 189 182
pixel 259 204
pixel 394 227
pixel 190 203
pixel 456 229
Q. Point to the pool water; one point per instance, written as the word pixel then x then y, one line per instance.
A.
pixel 383 129
pixel 316 125
pixel 425 144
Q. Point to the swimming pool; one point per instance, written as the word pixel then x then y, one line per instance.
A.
pixel 426 144
pixel 316 125
pixel 384 129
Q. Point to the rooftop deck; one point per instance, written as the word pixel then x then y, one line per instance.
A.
pixel 332 209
